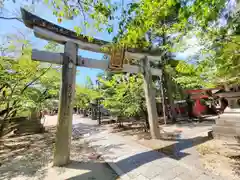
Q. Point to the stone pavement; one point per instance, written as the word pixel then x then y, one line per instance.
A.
pixel 134 161
pixel 192 133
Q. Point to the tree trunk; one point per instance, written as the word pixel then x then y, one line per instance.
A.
pixel 33 115
pixel 163 101
pixel 168 87
pixel 84 113
pixel 4 121
pixel 146 119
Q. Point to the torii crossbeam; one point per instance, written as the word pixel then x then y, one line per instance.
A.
pixel 69 59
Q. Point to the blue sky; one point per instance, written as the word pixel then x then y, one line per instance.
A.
pixel 12 26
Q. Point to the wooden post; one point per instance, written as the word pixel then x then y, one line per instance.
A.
pixel 150 99
pixel 64 125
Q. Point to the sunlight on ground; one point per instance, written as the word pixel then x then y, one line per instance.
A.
pixel 192 147
pixel 221 157
pixel 30 157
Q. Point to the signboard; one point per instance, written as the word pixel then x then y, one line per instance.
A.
pixel 117 59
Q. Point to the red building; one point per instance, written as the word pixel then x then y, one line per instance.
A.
pixel 200 97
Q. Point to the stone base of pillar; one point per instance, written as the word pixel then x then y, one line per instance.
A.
pixel 228 125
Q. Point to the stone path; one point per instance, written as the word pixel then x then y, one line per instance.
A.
pixel 191 133
pixel 134 161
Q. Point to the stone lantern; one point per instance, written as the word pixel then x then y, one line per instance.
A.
pixel 228 124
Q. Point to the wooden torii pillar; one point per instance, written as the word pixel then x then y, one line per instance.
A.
pixel 69 59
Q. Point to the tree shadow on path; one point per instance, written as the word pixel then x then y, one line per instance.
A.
pixel 135 161
pixel 92 171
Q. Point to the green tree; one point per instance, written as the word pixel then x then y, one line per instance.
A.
pixel 84 96
pixel 123 95
pixel 218 61
pixel 25 84
pixel 88 83
pixel 191 76
pixel 226 58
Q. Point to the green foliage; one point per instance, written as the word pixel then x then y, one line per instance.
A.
pixel 84 96
pixel 227 62
pixel 163 18
pixel 96 14
pixel 217 63
pixel 81 98
pixel 123 94
pixel 227 56
pixel 221 47
pixel 53 47
pixel 89 83
pixel 25 84
pixel 193 76
pixel 140 19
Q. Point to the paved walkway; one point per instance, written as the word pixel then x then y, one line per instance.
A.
pixel 134 161
pixel 191 135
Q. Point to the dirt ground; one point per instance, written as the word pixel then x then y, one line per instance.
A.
pixel 221 157
pixel 191 145
pixel 30 157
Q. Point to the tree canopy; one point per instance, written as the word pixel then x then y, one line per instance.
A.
pixel 85 94
pixel 123 94
pixel 26 85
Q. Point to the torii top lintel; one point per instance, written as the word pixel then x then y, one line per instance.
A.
pixel 47 30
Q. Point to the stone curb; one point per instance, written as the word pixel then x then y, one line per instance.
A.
pixel 122 175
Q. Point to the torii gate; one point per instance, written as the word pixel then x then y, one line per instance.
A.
pixel 69 59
